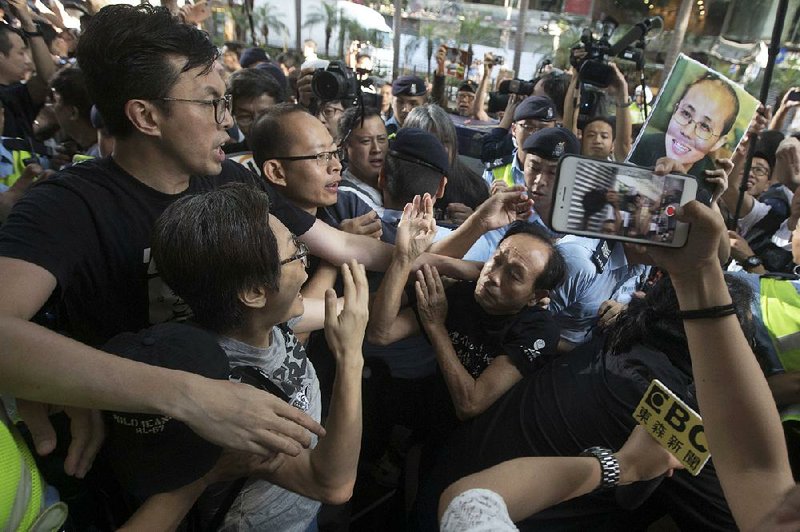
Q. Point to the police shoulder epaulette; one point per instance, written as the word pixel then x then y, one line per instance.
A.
pixel 502 161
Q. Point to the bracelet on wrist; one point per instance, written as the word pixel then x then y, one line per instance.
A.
pixel 609 466
pixel 719 311
pixel 32 33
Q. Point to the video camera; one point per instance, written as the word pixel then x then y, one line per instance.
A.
pixel 339 82
pixel 591 55
pixel 515 86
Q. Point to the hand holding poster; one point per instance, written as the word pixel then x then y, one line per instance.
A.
pixel 674 425
pixel 699 115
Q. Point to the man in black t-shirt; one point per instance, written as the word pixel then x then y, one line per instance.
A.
pixel 22 101
pixel 588 397
pixel 486 335
pixel 82 240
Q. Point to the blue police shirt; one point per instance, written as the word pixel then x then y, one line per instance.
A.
pixel 577 300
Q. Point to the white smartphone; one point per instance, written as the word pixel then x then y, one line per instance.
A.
pixel 619 201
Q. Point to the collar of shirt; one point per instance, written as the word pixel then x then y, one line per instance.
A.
pixel 373 193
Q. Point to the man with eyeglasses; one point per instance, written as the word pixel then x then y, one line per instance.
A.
pixel 761 240
pixel 298 156
pixel 244 286
pixel 699 125
pixel 329 113
pixel 253 91
pixel 531 115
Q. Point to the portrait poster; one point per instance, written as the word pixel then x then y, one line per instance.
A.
pixel 699 115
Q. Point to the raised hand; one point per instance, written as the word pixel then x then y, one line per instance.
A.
pixel 431 300
pixel 345 331
pixel 505 206
pixel 416 229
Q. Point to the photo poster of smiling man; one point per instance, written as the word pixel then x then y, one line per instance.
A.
pixel 699 115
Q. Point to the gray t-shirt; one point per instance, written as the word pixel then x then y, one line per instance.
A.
pixel 262 505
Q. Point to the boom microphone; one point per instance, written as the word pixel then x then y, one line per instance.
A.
pixel 634 34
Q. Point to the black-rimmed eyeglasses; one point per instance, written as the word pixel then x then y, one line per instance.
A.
pixel 323 158
pixel 221 105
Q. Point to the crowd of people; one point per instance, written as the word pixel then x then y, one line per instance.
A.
pixel 229 303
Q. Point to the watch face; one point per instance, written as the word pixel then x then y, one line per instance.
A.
pixel 753 261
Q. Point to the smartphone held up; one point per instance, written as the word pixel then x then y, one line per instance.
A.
pixel 618 201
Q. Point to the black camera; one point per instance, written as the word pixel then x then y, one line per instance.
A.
pixel 591 55
pixel 498 60
pixel 337 82
pixel 515 86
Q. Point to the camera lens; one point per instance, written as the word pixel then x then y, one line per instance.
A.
pixel 328 85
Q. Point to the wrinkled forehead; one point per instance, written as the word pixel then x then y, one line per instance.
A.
pixel 523 249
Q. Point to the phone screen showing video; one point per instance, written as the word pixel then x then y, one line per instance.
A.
pixel 625 201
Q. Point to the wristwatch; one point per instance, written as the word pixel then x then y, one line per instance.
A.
pixel 751 262
pixel 609 466
pixel 32 33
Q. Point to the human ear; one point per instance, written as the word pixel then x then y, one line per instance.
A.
pixel 442 185
pixel 273 171
pixel 539 298
pixel 255 297
pixel 145 116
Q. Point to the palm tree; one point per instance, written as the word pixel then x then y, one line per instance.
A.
pixel 473 29
pixel 268 18
pixel 328 14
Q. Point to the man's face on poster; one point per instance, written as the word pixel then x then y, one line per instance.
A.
pixel 697 125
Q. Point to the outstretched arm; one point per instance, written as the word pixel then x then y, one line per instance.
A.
pixel 739 415
pixel 530 485
pixel 478 106
pixel 40 365
pixel 499 210
pixel 783 109
pixel 623 133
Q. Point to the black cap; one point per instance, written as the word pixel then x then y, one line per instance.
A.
pixel 275 71
pixel 153 453
pixel 418 146
pixel 552 143
pixel 251 56
pixel 468 86
pixel 409 86
pixel 536 107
